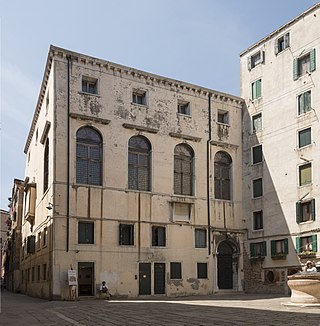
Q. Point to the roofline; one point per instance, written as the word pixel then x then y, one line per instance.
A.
pixel 281 28
pixel 54 50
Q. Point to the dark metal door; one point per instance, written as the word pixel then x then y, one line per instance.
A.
pixel 159 278
pixel 85 279
pixel 225 273
pixel 144 278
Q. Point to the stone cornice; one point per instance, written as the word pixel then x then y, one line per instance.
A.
pixel 183 136
pixel 89 118
pixel 140 128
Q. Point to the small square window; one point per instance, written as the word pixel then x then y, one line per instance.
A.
pixel 202 270
pixel 158 236
pixel 258 249
pixel 257 154
pixel 279 247
pixel 139 97
pixel 305 211
pixel 86 233
pixel 256 89
pixel 257 220
pixel 304 137
pixel 256 59
pixel 126 234
pixel 175 271
pixel 257 122
pixel 89 85
pixel 305 174
pixel 200 238
pixel 304 64
pixel 184 108
pixel 304 102
pixel 306 244
pixel 257 188
pixel 223 117
pixel 282 43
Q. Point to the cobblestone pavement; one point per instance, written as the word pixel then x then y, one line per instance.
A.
pixel 233 309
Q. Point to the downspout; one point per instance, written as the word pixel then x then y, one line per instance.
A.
pixel 68 154
pixel 208 174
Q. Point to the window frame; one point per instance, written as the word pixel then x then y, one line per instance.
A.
pixel 307 135
pixel 260 154
pixel 260 194
pixel 256 118
pixel 184 108
pixel 300 209
pixel 46 166
pixel 302 102
pixel 202 271
pixel 176 272
pixel 256 89
pixel 283 39
pixel 200 238
pixel 126 239
pixel 88 233
pixel 257 225
pixel 302 168
pixel 225 117
pixel 260 59
pixel 258 249
pixel 283 244
pixel 139 97
pixel 310 57
pixel 87 83
pixel 155 238
pixel 223 176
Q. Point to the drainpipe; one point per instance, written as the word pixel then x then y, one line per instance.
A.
pixel 208 174
pixel 68 154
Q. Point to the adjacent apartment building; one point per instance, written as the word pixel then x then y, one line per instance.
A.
pixel 132 178
pixel 280 83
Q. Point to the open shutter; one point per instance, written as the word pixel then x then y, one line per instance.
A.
pixel 298 245
pixel 314 243
pixel 276 47
pixel 287 40
pixel 273 248
pixel 258 88
pixel 313 210
pixel 262 56
pixel 298 212
pixel 286 246
pixel 249 64
pixel 312 60
pixel 295 69
pixel 252 253
pixel 264 248
pixel 120 234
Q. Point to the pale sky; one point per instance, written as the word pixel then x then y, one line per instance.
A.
pixel 196 41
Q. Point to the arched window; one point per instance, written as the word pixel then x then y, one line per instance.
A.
pixel 46 166
pixel 222 175
pixel 89 156
pixel 139 163
pixel 183 170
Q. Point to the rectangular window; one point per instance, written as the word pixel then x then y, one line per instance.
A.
pixel 89 85
pixel 305 174
pixel 256 89
pixel 39 273
pixel 39 240
pixel 202 270
pixel 86 232
pixel 32 274
pixel 257 188
pixel 44 237
pixel 282 43
pixel 31 244
pixel 304 64
pixel 175 271
pixel 305 211
pixel 44 272
pixel 126 234
pixel 223 117
pixel 257 220
pixel 257 154
pixel 304 102
pixel 258 249
pixel 307 244
pixel 158 236
pixel 200 238
pixel 279 247
pixel 184 108
pixel 257 122
pixel 304 137
pixel 139 97
pixel 256 59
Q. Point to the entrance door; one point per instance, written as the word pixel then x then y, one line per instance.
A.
pixel 85 279
pixel 159 278
pixel 225 274
pixel 144 278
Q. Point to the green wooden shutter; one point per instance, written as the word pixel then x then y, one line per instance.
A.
pixel 298 244
pixel 298 212
pixel 295 69
pixel 252 252
pixel 264 248
pixel 286 246
pixel 286 40
pixel 314 243
pixel 249 64
pixel 258 88
pixel 312 60
pixel 313 210
pixel 276 47
pixel 273 248
pixel 254 90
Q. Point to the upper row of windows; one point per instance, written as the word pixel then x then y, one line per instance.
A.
pixel 89 165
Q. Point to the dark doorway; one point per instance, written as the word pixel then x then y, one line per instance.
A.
pixel 159 278
pixel 144 278
pixel 85 279
pixel 225 274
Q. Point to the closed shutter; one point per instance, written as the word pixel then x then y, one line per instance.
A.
pixel 312 60
pixel 313 210
pixel 295 69
pixel 314 243
pixel 298 212
pixel 264 248
pixel 258 88
pixel 276 47
pixel 286 246
pixel 252 251
pixel 298 245
pixel 273 248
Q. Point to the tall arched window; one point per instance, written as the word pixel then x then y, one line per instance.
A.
pixel 46 166
pixel 139 163
pixel 89 156
pixel 222 175
pixel 183 170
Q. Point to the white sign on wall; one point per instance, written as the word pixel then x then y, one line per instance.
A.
pixel 72 277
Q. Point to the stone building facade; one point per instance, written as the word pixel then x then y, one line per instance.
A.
pixel 280 82
pixel 132 178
